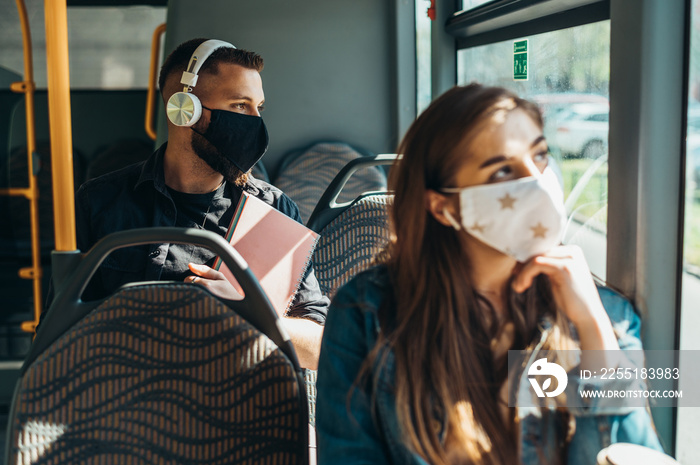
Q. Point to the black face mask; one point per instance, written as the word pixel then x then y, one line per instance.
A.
pixel 242 139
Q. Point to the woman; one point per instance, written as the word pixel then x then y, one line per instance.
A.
pixel 413 362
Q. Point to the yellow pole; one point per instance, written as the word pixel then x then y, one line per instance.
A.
pixel 153 69
pixel 56 18
pixel 32 193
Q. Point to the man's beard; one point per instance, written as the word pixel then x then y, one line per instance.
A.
pixel 219 163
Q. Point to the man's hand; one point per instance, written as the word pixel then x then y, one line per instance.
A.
pixel 574 293
pixel 213 280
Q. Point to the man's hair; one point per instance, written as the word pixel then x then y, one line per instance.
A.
pixel 179 58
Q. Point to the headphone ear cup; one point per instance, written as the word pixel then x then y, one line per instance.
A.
pixel 183 109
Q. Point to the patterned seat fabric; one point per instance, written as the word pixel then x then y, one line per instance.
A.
pixel 349 243
pixel 310 377
pixel 306 177
pixel 160 374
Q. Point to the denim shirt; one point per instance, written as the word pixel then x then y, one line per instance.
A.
pixel 364 428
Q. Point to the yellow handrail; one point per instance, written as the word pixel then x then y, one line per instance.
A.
pixel 56 18
pixel 150 97
pixel 31 193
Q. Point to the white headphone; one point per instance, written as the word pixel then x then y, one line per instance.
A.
pixel 184 108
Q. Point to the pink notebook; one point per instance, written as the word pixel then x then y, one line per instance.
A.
pixel 277 248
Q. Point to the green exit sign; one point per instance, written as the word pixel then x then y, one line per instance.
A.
pixel 520 60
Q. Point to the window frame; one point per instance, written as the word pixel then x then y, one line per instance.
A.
pixel 502 20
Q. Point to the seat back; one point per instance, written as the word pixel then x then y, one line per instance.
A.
pixel 166 373
pixel 118 155
pixel 259 172
pixel 332 203
pixel 18 230
pixel 351 241
pixel 160 373
pixel 305 175
pixel 351 233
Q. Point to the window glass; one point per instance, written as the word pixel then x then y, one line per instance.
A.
pixel 423 54
pixel 567 72
pixel 469 4
pixel 109 48
pixel 688 427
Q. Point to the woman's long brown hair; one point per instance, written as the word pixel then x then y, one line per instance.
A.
pixel 442 330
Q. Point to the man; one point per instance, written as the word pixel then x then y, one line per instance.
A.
pixel 195 180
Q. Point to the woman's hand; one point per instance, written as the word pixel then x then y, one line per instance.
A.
pixel 574 292
pixel 213 280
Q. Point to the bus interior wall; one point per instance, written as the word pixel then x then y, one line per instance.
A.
pixel 358 105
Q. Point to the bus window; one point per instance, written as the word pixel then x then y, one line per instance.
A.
pixel 568 74
pixel 423 57
pixel 469 4
pixel 688 423
pixel 109 46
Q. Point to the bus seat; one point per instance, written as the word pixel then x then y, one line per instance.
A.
pixel 159 372
pixel 15 243
pixel 92 126
pixel 259 172
pixel 351 241
pixel 117 155
pixel 304 175
pixel 351 233
pixel 19 232
pixel 125 152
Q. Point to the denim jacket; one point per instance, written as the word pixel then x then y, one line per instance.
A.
pixel 364 428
